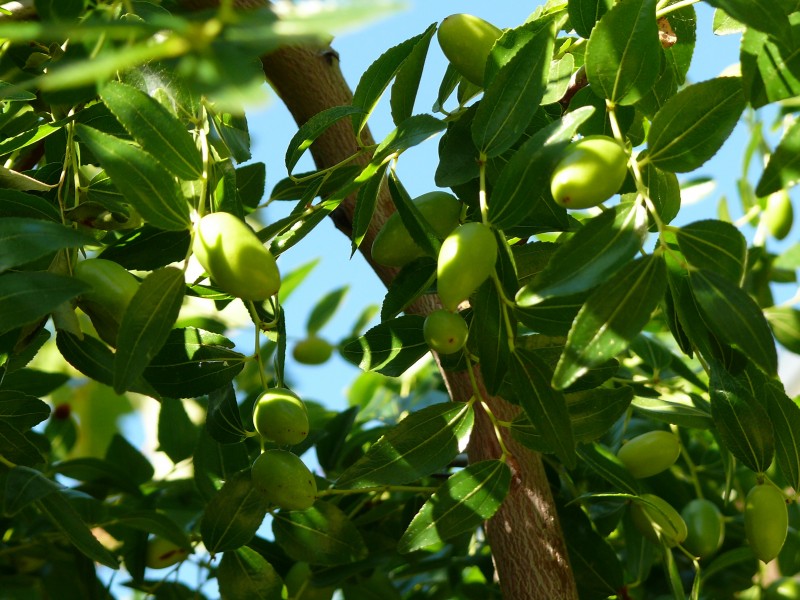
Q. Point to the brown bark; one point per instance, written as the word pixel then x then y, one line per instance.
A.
pixel 527 544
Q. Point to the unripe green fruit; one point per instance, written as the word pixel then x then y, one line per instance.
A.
pixel 393 246
pixel 590 172
pixel 658 517
pixel 280 416
pixel 705 525
pixel 285 480
pixel 162 553
pixel 312 351
pixel 235 258
pixel 466 259
pixel 445 332
pixel 298 584
pixel 650 453
pixel 766 521
pixel 466 41
pixel 784 588
pixel 779 214
pixel 112 285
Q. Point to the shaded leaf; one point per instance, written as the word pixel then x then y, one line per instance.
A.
pixel 313 128
pixel 24 240
pixel 783 168
pixel 22 411
pixel 715 246
pixel 413 280
pixel 758 14
pixel 233 515
pixel 603 463
pixel 244 574
pixel 406 83
pixel 389 348
pixel 224 421
pixel 489 335
pixel 28 296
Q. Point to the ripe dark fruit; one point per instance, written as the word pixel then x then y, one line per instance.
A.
pixel 162 553
pixel 650 453
pixel 312 351
pixel 284 479
pixel 466 41
pixel 280 416
pixel 590 172
pixel 445 332
pixel 706 528
pixel 654 517
pixel 235 258
pixel 766 521
pixel 393 246
pixel 466 259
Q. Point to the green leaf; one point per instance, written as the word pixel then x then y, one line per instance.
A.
pixel 61 514
pixel 761 15
pixel 715 246
pixel 411 132
pixel 734 317
pixel 389 348
pixel 622 51
pixel 546 407
pixel 785 417
pixel 406 84
pixel 783 168
pixel 489 335
pixel 458 156
pixel 17 447
pixel 692 126
pixel 22 411
pixel 192 363
pixel 24 240
pixel 148 248
pixel 461 504
pixel 558 80
pixel 146 324
pixel 313 128
pixel 769 73
pixel 29 296
pixel 146 185
pixel 785 323
pixel 505 110
pixel 583 14
pixel 590 256
pixel 742 421
pixel 322 535
pixel 413 280
pixel 224 421
pixel 153 522
pixel 603 463
pixel 682 414
pixel 21 204
pixel 665 192
pixel 553 316
pixel 233 515
pixel 612 316
pixel 244 574
pixel 157 130
pixel 23 487
pixel 366 201
pixel 324 309
pixel 421 444
pixel 177 435
pixel 530 168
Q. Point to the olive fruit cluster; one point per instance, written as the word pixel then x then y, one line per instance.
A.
pixel 590 171
pixel 466 41
pixel 112 288
pixel 280 416
pixel 235 258
pixel 650 453
pixel 766 521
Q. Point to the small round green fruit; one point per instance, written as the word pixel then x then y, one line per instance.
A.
pixel 112 285
pixel 705 525
pixel 162 553
pixel 779 214
pixel 654 516
pixel 466 258
pixel 650 453
pixel 280 416
pixel 312 351
pixel 466 41
pixel 589 173
pixel 766 521
pixel 445 332
pixel 284 480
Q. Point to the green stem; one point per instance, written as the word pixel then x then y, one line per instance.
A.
pixel 379 489
pixel 665 10
pixel 257 352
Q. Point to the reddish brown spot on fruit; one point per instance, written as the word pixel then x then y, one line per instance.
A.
pixel 62 412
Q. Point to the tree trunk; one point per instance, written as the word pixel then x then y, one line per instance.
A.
pixel 527 544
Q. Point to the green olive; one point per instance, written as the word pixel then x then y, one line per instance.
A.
pixel 162 553
pixel 590 172
pixel 466 259
pixel 466 41
pixel 284 480
pixel 654 517
pixel 650 453
pixel 112 285
pixel 705 525
pixel 312 351
pixel 766 521
pixel 779 214
pixel 235 258
pixel 280 416
pixel 298 584
pixel 445 332
pixel 784 588
pixel 393 246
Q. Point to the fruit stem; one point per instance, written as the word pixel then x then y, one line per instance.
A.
pixel 665 10
pixel 328 170
pixel 698 490
pixel 257 350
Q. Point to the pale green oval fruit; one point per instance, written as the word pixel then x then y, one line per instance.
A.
pixel 312 351
pixel 650 453
pixel 466 259
pixel 280 416
pixel 284 480
pixel 705 526
pixel 393 246
pixel 445 332
pixel 766 521
pixel 162 553
pixel 235 258
pixel 466 41
pixel 590 172
pixel 779 214
pixel 112 285
pixel 784 588
pixel 658 517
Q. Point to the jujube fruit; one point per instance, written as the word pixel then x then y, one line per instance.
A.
pixel 466 259
pixel 766 521
pixel 235 258
pixel 445 332
pixel 650 453
pixel 656 516
pixel 162 553
pixel 466 41
pixel 590 172
pixel 779 214
pixel 705 526
pixel 280 416
pixel 112 285
pixel 394 247
pixel 284 480
pixel 312 351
